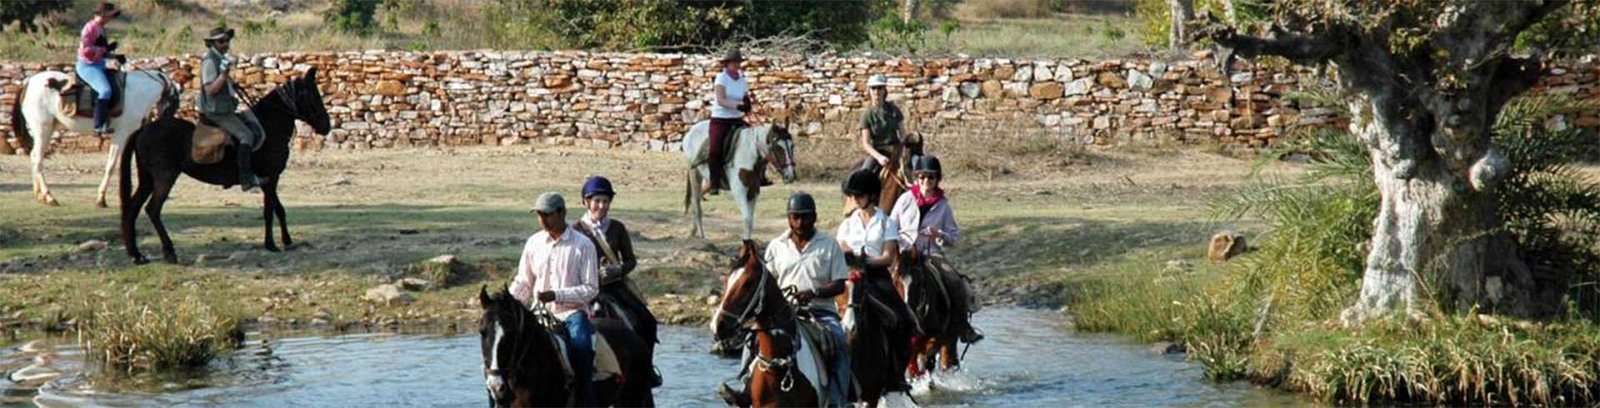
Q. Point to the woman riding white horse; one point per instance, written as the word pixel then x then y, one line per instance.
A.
pixel 37 112
pixel 752 147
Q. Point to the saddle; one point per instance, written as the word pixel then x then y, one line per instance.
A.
pixel 606 365
pixel 818 336
pixel 77 98
pixel 209 143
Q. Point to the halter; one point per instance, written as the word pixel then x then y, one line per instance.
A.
pixel 756 306
pixel 773 147
pixel 519 349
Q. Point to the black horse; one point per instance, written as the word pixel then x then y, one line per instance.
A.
pixel 522 363
pixel 163 146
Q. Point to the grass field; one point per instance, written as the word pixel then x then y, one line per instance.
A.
pixel 363 218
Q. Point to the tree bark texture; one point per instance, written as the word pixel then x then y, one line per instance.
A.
pixel 1181 11
pixel 908 11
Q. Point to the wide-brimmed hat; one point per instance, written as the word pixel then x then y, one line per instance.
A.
pixel 732 55
pixel 107 9
pixel 220 33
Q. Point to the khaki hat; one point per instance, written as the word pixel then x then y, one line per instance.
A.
pixel 732 55
pixel 220 33
pixel 549 202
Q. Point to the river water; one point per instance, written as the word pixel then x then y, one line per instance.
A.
pixel 1030 359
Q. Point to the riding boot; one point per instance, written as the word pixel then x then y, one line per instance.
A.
pixel 102 116
pixel 247 176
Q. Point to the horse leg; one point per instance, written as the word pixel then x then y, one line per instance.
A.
pixel 41 188
pixel 277 206
pixel 130 218
pixel 105 180
pixel 746 204
pixel 158 199
pixel 698 228
pixel 949 357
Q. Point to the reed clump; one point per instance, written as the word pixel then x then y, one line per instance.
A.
pixel 158 334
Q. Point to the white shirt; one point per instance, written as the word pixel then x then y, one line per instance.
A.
pixel 820 263
pixel 855 236
pixel 567 266
pixel 735 89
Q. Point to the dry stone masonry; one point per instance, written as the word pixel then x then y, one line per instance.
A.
pixel 381 99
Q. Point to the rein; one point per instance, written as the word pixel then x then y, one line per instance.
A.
pixel 757 306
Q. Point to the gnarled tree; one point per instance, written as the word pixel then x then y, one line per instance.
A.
pixel 1424 81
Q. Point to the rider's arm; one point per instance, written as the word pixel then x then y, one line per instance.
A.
pixel 87 46
pixel 522 285
pixel 891 251
pixel 722 95
pixel 948 230
pixel 624 250
pixel 216 80
pixel 829 290
pixel 866 145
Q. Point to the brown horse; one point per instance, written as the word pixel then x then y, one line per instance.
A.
pixel 787 369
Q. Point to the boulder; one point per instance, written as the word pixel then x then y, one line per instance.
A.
pixel 414 284
pixel 387 294
pixel 1225 245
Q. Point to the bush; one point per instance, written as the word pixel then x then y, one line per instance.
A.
pixel 164 334
pixel 675 25
pixel 24 11
pixel 354 16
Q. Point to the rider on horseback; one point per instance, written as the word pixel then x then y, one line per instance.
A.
pixel 93 49
pixel 928 226
pixel 616 259
pixel 561 270
pixel 810 266
pixel 882 127
pixel 731 100
pixel 870 241
pixel 218 104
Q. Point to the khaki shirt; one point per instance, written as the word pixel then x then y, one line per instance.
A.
pixel 882 123
pixel 211 67
pixel 820 263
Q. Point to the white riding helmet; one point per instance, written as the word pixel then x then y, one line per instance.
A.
pixel 877 80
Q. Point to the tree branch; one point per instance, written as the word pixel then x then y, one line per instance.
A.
pixel 1304 48
pixel 1472 31
pixel 1511 78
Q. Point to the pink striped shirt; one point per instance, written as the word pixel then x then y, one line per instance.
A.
pixel 87 51
pixel 567 266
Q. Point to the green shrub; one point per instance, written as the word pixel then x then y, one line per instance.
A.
pixel 354 16
pixel 24 11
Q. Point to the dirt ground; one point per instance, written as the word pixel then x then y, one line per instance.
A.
pixel 1028 210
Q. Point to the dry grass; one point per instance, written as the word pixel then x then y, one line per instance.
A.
pixel 989 9
pixel 158 334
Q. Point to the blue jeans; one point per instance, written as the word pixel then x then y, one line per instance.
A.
pixel 581 351
pixel 95 76
pixel 839 388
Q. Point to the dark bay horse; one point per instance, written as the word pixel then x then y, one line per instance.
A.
pixel 751 294
pixel 880 356
pixel 163 146
pixel 932 300
pixel 522 362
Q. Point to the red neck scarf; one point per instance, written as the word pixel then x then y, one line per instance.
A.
pixel 926 200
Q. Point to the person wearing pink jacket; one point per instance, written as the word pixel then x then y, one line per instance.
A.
pixel 93 49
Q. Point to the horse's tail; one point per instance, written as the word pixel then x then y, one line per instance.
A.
pixel 19 124
pixel 688 188
pixel 125 182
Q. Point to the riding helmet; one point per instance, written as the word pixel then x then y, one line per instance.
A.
pixel 801 203
pixel 927 164
pixel 597 185
pixel 877 81
pixel 862 182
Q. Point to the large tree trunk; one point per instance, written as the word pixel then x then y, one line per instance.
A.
pixel 1181 11
pixel 908 11
pixel 1437 243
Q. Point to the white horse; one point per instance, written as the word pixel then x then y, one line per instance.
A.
pixel 37 114
pixel 752 147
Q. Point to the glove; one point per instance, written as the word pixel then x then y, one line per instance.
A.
pixel 100 41
pixel 112 46
pixel 121 59
pixel 744 107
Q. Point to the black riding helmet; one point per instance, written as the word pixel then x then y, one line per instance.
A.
pixel 927 164
pixel 862 182
pixel 801 203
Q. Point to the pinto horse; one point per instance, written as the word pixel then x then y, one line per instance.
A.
pixel 754 149
pixel 788 367
pixel 162 149
pixel 37 114
pixel 523 359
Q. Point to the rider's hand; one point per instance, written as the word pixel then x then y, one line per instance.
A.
pixel 804 296
pixel 121 59
pixel 112 46
pixel 547 296
pixel 744 107
pixel 882 161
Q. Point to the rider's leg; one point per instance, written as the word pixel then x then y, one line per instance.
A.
pixel 717 136
pixel 581 352
pixel 236 128
pixel 839 388
pixel 94 75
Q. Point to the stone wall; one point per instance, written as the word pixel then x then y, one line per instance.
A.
pixel 383 99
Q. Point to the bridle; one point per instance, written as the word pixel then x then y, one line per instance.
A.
pixel 776 147
pixel 755 308
pixel 519 349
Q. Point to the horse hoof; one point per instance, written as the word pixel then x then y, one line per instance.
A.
pixel 171 259
pixel 140 260
pixel 51 201
pixel 101 203
pixel 273 248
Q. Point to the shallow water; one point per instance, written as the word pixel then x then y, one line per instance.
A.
pixel 1030 359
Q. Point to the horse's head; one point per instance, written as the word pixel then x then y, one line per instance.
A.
pixel 780 151
pixel 304 98
pixel 500 333
pixel 743 293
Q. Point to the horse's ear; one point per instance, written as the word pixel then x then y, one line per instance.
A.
pixel 311 75
pixel 483 296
